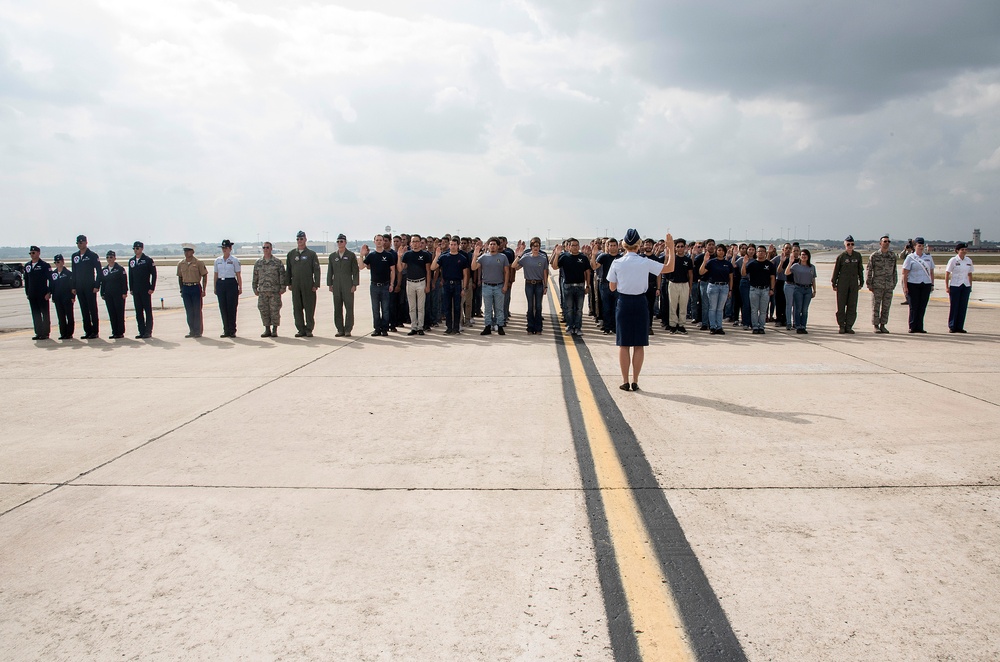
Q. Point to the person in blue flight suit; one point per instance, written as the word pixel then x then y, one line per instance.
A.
pixel 113 284
pixel 86 272
pixel 142 278
pixel 36 288
pixel 62 288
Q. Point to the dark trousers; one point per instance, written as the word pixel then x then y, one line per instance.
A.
pixel 609 303
pixel 745 303
pixel 574 294
pixel 959 297
pixel 115 304
pixel 733 307
pixel 533 293
pixel 143 303
pixel 651 303
pixel 380 306
pixel 228 293
pixel 396 308
pixel 453 304
pixel 779 303
pixel 847 304
pixel 665 302
pixel 40 315
pixel 920 294
pixel 64 313
pixel 88 311
pixel 191 295
pixel 694 303
pixel 304 309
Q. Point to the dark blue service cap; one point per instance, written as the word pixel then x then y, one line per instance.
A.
pixel 849 238
pixel 58 258
pixel 137 244
pixel 81 237
pixel 300 235
pixel 34 249
pixel 632 237
pixel 226 244
pixel 918 240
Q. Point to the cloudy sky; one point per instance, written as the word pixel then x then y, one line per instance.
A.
pixel 197 120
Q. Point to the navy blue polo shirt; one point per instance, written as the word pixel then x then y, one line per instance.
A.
pixel 760 273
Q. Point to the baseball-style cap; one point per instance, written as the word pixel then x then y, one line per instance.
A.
pixel 34 249
pixel 81 237
pixel 341 237
pixel 187 247
pixel 300 235
pixel 849 238
pixel 58 258
pixel 918 240
pixel 226 244
pixel 111 254
pixel 137 244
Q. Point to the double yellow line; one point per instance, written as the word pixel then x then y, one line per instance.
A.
pixel 659 630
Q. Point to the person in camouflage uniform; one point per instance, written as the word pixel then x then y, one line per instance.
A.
pixel 880 279
pixel 269 285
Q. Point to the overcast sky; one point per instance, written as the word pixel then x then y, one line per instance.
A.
pixel 189 121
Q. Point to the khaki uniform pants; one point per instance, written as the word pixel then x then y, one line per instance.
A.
pixel 678 294
pixel 417 299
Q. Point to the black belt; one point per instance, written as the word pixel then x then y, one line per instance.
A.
pixel 380 284
pixel 190 284
pixel 453 280
pixel 718 282
pixel 233 278
pixel 760 287
pixel 493 284
pixel 532 282
pixel 416 280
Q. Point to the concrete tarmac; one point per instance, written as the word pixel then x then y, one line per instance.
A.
pixel 429 498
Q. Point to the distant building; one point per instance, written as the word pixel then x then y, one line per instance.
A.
pixel 977 238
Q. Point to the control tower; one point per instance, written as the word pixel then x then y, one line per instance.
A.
pixel 977 238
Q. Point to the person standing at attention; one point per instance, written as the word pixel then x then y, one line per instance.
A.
pixel 343 277
pixel 629 277
pixel 228 287
pixel 958 282
pixel 303 273
pixel 848 279
pixel 918 283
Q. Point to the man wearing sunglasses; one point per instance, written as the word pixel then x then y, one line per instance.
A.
pixel 86 270
pixel 343 277
pixel 848 279
pixel 36 288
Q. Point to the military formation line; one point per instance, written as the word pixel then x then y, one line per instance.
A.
pixel 422 282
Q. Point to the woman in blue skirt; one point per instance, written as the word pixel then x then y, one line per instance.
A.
pixel 629 277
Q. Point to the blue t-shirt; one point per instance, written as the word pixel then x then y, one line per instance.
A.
pixel 605 260
pixel 718 271
pixel 453 266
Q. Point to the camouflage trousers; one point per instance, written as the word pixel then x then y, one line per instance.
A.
pixel 881 300
pixel 269 305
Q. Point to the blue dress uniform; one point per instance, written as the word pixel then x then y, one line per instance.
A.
pixel 36 288
pixel 142 278
pixel 61 286
pixel 227 290
pixel 86 269
pixel 114 288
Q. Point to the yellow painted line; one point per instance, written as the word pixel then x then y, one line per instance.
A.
pixel 655 617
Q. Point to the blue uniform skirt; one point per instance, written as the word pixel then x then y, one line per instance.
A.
pixel 632 321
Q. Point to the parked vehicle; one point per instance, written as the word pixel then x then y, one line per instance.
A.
pixel 11 275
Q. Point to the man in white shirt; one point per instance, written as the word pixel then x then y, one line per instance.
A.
pixel 958 281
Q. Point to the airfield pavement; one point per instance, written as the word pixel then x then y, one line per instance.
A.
pixel 777 497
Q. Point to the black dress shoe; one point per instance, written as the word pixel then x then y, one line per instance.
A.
pixel 376 333
pixel 224 335
pixel 36 337
pixel 338 334
pixel 309 334
pixel 266 334
pixel 635 386
pixel 300 334
pixel 486 331
pixel 500 331
pixel 412 332
pixel 419 332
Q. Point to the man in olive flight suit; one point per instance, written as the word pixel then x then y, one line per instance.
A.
pixel 848 279
pixel 342 277
pixel 302 269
